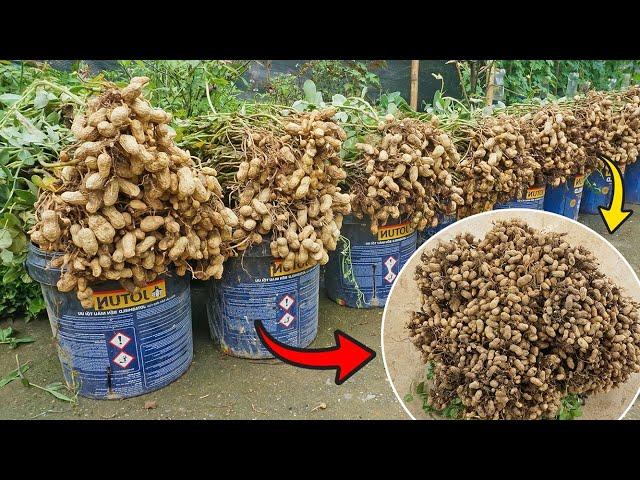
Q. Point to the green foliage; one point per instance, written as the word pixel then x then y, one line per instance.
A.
pixel 186 88
pixel 56 389
pixel 393 103
pixel 571 408
pixel 36 108
pixel 423 393
pixel 454 408
pixel 14 374
pixel 527 79
pixel 282 89
pixel 355 114
pixel 8 337
pixel 21 297
pixel 347 77
pixel 431 370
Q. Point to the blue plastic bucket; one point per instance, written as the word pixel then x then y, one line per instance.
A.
pixel 128 344
pixel 362 269
pixel 565 198
pixel 443 222
pixel 255 286
pixel 597 191
pixel 532 197
pixel 632 183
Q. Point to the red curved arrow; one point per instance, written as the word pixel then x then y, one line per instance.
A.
pixel 348 356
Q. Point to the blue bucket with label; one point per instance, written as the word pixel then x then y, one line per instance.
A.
pixel 632 183
pixel 255 286
pixel 443 222
pixel 364 266
pixel 597 191
pixel 532 198
pixel 565 199
pixel 127 344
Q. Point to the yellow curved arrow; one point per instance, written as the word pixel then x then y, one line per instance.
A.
pixel 614 216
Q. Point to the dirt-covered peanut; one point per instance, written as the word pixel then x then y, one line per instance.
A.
pixel 516 329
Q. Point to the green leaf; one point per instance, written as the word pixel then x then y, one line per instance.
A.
pixel 431 370
pixel 10 276
pixel 25 156
pixel 341 117
pixel 13 375
pixel 338 99
pixel 408 397
pixel 6 256
pixel 41 99
pixel 8 219
pixel 25 196
pixel 570 408
pixel 54 389
pixel 300 105
pixel 19 244
pixel 35 306
pixel 309 89
pixel 53 118
pixel 52 134
pixel 33 133
pixel 9 98
pixel 5 333
pixel 5 238
pixel 5 156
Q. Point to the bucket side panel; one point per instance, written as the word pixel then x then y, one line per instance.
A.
pixel 632 183
pixel 286 304
pixel 534 199
pixel 374 264
pixel 565 199
pixel 127 345
pixel 597 192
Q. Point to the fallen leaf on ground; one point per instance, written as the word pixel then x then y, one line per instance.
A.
pixel 320 406
pixel 150 405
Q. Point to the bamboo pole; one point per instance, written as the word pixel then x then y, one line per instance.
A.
pixel 415 68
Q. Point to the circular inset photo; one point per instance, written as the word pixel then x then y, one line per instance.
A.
pixel 514 314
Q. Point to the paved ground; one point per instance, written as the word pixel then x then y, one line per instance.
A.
pixel 219 386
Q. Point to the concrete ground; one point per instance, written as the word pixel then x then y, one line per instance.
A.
pixel 217 386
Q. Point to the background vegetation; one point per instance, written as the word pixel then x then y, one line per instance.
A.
pixel 37 104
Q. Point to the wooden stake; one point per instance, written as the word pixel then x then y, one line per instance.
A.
pixel 415 68
pixel 490 81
